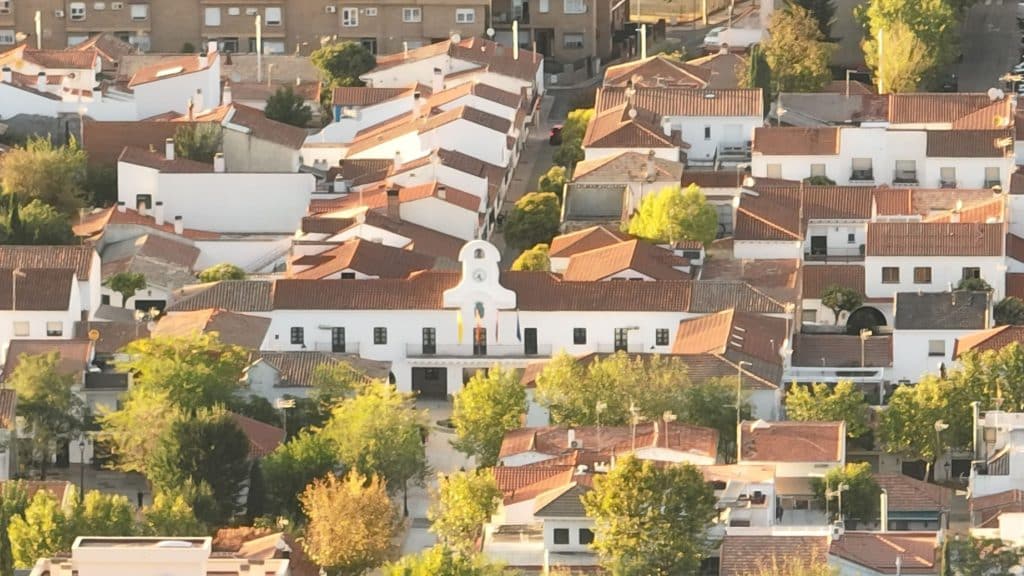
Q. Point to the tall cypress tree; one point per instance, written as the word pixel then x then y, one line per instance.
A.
pixel 14 226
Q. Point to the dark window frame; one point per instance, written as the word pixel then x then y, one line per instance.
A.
pixel 380 335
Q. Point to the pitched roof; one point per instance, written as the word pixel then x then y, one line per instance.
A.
pixel 158 161
pixel 37 288
pixel 377 197
pixel 787 141
pixel 233 328
pixel 366 95
pixel 370 258
pixel 479 89
pixel 423 240
pixel 736 335
pixel 934 108
pixel 108 46
pixel 841 350
pixel 565 501
pixel 113 335
pixel 744 555
pixel 96 222
pixel 877 551
pixel 104 141
pixel 657 70
pixel 8 405
pixel 234 295
pixel 723 66
pixel 993 339
pixel 75 355
pixel 263 438
pixel 985 510
pixel 636 255
pixel 686 102
pixel 263 128
pixel 176 251
pixel 83 59
pixel 968 143
pixel 959 310
pixel 934 239
pixel 817 278
pixel 565 245
pixel 627 166
pixel 624 126
pixel 773 213
pixel 930 202
pixel 77 258
pixel 496 58
pixel 360 171
pixel 908 494
pixel 789 441
pixel 296 368
pixel 170 67
pixel 554 440
pixel 375 136
pixel 260 91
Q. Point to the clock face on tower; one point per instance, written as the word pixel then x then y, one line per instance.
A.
pixel 479 275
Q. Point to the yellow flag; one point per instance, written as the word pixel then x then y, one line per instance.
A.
pixel 458 323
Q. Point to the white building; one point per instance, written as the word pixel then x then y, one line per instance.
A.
pixel 38 303
pixel 926 327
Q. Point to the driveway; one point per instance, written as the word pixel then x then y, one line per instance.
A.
pixel 990 43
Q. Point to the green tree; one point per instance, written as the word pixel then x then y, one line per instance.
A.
pixel 712 404
pixel 172 514
pixel 932 22
pixel 823 11
pixel 54 175
pixel 255 496
pixel 819 180
pixel 126 284
pixel 974 284
pixel 672 215
pixel 906 62
pixel 974 556
pixel 553 181
pixel 293 466
pixel 101 185
pixel 288 107
pixel 534 220
pixel 441 561
pixel 255 407
pixel 208 448
pixel 102 514
pixel 757 74
pixel 797 52
pixel 490 405
pixel 133 445
pixel 199 142
pixel 649 518
pixel 13 502
pixel 840 299
pixel 379 432
pixel 794 567
pixel 51 411
pixel 573 129
pixel 822 403
pixel 907 427
pixel 37 224
pixel 351 524
pixel 1009 310
pixel 44 530
pixel 336 381
pixel 222 271
pixel 463 503
pixel 342 63
pixel 860 497
pixel 535 258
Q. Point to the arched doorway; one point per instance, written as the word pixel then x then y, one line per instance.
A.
pixel 864 317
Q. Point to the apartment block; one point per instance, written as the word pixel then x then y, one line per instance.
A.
pixel 384 26
pixel 570 31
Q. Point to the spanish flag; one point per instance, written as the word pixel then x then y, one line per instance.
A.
pixel 458 324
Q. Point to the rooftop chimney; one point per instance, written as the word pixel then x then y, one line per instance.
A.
pixel 211 46
pixel 417 105
pixel 8 75
pixel 169 148
pixel 442 192
pixel 120 206
pixel 643 41
pixel 393 203
pixel 398 160
pixel 41 81
pixel 883 499
pixel 218 162
pixel 158 213
pixel 570 437
pixel 515 39
pixel 140 206
pixel 438 83
pixel 204 60
pixel 179 226
pixel 225 98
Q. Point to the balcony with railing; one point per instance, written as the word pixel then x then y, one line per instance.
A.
pixel 905 177
pixel 734 152
pixel 863 177
pixel 471 350
pixel 947 183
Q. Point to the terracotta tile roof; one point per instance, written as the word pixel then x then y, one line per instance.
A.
pixel 75 355
pixel 479 89
pixel 968 143
pixel 749 555
pixel 263 128
pixel 159 162
pixel 234 295
pixel 544 484
pixel 8 404
pixel 84 59
pixel 370 258
pixel 774 213
pixel 104 141
pixel 657 70
pixel 759 375
pixel 934 108
pixel 233 328
pixel 985 510
pixel 38 288
pixel 515 481
pixel 723 67
pixel 554 440
pixel 565 245
pixel 96 222
pixel 170 67
pixel 113 335
pixel 716 295
pixel 841 350
pixel 376 197
pixel 736 335
pixel 253 91
pixel 619 127
pixel 934 239
pixel 985 340
pixel 77 258
pixel 918 551
pixel 366 96
pixel 818 277
pixel 498 59
pixel 997 114
pixel 960 310
pixel 296 369
pixel 986 211
pixel 360 172
pixel 934 204
pixel 636 255
pixel 372 137
pixel 263 438
pixel 626 166
pixel 789 441
pixel 797 141
pixel 684 102
pixel 422 240
pixel 176 251
pixel 908 494
pixel 108 46
pixel 421 291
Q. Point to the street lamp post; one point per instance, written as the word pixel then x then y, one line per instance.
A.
pixel 739 400
pixel 81 468
pixel 939 426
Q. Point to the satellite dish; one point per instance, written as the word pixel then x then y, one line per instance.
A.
pixel 995 94
pixel 490 32
pixel 456 38
pixel 94 334
pixel 632 112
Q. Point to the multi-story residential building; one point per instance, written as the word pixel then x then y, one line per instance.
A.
pixel 569 31
pixel 287 27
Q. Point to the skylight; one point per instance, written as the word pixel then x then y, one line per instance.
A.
pixel 169 71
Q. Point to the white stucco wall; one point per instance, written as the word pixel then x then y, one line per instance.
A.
pixel 946 270
pixel 910 357
pixel 754 250
pixel 437 214
pixel 173 93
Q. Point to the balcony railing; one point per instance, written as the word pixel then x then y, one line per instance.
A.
pixel 469 350
pixel 862 176
pixel 905 177
pixel 947 184
pixel 734 151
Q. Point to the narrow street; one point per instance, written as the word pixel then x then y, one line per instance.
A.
pixel 989 40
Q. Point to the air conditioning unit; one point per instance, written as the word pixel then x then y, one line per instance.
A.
pixel 576 444
pixel 331 9
pixel 58 13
